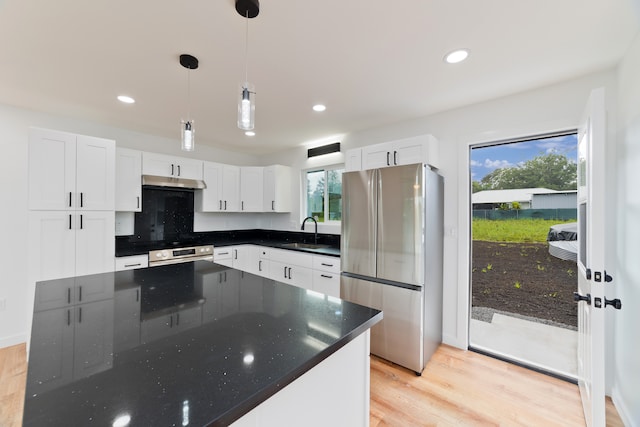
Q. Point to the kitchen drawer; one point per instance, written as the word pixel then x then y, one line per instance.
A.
pixel 327 283
pixel 291 257
pixel 326 263
pixel 132 262
pixel 223 255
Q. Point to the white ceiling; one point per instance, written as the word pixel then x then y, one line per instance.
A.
pixel 372 62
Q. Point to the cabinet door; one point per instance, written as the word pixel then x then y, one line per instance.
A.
pixel 376 156
pixel 211 199
pixel 409 151
pixel 93 346
pixel 188 318
pixel 188 168
pixel 230 188
pixel 94 242
pixel 353 160
pixel 240 257
pixel 51 361
pixel 52 244
pixel 301 276
pixel 158 164
pixel 128 195
pixel 251 189
pixel 277 189
pixel 52 171
pixel 95 173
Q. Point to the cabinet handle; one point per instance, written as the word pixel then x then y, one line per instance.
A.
pixel 242 203
pixel 81 199
pixel 69 198
pixel 225 205
pixel 260 265
pixel 220 204
pixel 178 170
pixel 81 221
pixel 395 157
pixel 235 254
pixel 223 253
pixel 79 293
pixel 285 272
pixel 137 202
pixel 289 273
pixel 326 277
pixel 132 265
pixel 68 317
pixel 137 295
pixel 177 314
pixel 388 164
pixel 79 314
pixel 273 205
pixel 326 265
pixel 225 276
pixel 69 221
pixel 68 295
pixel 172 169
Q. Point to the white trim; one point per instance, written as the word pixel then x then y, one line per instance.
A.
pixel 623 411
pixel 13 340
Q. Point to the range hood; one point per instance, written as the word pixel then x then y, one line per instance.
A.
pixel 165 181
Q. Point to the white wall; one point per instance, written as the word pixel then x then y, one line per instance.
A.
pixel 14 127
pixel 626 388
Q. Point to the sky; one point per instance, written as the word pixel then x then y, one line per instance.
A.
pixel 487 159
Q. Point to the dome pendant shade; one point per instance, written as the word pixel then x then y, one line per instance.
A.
pixel 188 61
pixel 248 8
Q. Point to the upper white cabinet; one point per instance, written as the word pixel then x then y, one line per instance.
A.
pixel 277 189
pixel 70 172
pixel 128 180
pixel 251 188
pixel 223 189
pixel 418 149
pixel 176 167
pixel 353 160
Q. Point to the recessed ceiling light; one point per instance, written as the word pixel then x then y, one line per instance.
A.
pixel 250 133
pixel 319 107
pixel 456 56
pixel 126 99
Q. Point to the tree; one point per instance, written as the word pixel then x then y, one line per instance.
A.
pixel 552 171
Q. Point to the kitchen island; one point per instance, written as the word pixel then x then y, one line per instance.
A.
pixel 195 344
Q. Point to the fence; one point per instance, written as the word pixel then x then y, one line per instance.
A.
pixel 496 214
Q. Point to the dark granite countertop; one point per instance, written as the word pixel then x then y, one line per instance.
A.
pixel 129 245
pixel 194 342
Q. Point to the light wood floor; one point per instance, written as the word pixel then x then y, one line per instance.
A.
pixel 457 388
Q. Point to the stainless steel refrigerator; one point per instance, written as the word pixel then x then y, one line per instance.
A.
pixel 391 257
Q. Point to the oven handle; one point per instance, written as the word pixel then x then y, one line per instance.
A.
pixel 180 260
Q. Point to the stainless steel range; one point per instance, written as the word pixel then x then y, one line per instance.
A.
pixel 178 255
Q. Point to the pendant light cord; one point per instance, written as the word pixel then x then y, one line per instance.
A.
pixel 189 94
pixel 246 49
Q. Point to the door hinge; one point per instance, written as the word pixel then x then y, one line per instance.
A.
pixel 588 274
pixel 577 298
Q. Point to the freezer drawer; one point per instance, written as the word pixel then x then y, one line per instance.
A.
pixel 399 336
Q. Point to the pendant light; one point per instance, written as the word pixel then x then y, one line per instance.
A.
pixel 246 102
pixel 186 126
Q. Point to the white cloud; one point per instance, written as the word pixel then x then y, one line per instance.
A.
pixel 496 164
pixel 475 163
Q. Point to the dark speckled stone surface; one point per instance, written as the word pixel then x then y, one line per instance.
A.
pixel 193 343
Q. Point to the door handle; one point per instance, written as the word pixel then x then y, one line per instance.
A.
pixel 137 202
pixel 172 171
pixel 81 199
pixel 388 164
pixel 395 157
pixel 178 170
pixel 577 298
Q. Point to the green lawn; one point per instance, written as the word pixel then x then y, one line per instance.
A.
pixel 513 230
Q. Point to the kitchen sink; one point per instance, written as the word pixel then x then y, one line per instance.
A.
pixel 304 246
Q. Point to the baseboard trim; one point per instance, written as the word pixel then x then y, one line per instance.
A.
pixel 12 340
pixel 621 407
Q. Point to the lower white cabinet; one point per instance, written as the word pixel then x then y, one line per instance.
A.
pixel 326 275
pixel 291 267
pixel 75 341
pixel 223 255
pixel 132 262
pixel 66 244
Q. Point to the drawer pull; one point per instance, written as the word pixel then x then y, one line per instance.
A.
pixel 223 253
pixel 326 277
pixel 326 265
pixel 132 265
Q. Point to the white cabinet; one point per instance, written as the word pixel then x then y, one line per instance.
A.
pixel 176 167
pixel 70 172
pixel 291 267
pixel 251 189
pixel 419 149
pixel 277 189
pixel 326 275
pixel 132 262
pixel 75 342
pixel 223 189
pixel 353 160
pixel 65 244
pixel 223 255
pixel 128 180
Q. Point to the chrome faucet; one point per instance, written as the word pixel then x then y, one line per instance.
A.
pixel 315 235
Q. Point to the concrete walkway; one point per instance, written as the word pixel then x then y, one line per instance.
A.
pixel 540 345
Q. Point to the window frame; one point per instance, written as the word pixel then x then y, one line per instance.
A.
pixel 305 200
